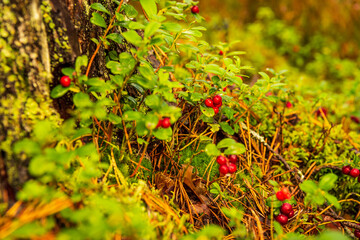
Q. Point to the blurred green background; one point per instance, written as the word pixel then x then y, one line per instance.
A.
pixel 320 39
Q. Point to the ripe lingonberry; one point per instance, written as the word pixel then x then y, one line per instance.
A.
pixel 232 168
pixel 286 208
pixel 195 9
pixel 323 110
pixel 288 105
pixel 209 103
pixel 217 100
pixel 286 192
pixel 280 196
pixel 166 123
pixel 357 233
pixel 65 81
pixel 159 123
pixel 282 219
pixel 346 169
pixel 291 214
pixel 354 172
pixel 233 158
pixel 221 53
pixel 218 105
pixel 223 169
pixel 221 160
pixel 216 110
pixel 355 119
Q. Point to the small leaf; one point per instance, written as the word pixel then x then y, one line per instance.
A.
pixel 98 20
pixel 211 150
pixel 82 100
pixel 81 61
pixel 149 7
pixel 333 200
pixel 151 28
pixel 132 37
pixel 116 37
pixel 327 182
pixel 58 91
pixel 308 186
pixel 132 115
pixel 227 142
pixel 130 11
pixel 99 7
pixel 68 71
pixel 163 133
pixel 227 128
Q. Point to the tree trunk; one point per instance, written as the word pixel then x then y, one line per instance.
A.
pixel 37 39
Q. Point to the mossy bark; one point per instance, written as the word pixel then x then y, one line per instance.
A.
pixel 37 39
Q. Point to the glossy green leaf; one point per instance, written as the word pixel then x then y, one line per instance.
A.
pixel 59 91
pixel 327 182
pixel 149 7
pixel 98 20
pixel 212 150
pixel 99 7
pixel 132 37
pixel 151 28
pixel 116 37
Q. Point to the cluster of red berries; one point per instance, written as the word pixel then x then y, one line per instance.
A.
pixel 164 123
pixel 353 172
pixel 215 103
pixel 286 213
pixel 227 164
pixel 65 81
pixel 286 208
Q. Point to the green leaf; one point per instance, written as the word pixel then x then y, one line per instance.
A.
pixel 235 149
pixel 82 100
pixel 68 72
pixel 132 37
pixel 149 7
pixel 152 101
pixel 211 150
pixel 98 20
pixel 227 128
pixel 264 76
pixel 172 27
pixel 278 228
pixel 99 7
pixel 81 61
pixel 132 115
pixel 227 142
pixel 327 182
pixel 215 69
pixel 309 186
pixel 136 25
pixel 130 11
pixel 207 111
pixel 116 37
pixel 163 133
pixel 151 28
pixel 59 91
pixel 333 200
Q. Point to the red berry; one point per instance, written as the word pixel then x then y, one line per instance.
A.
pixel 291 214
pixel 357 233
pixel 286 208
pixel 65 81
pixel 166 123
pixel 232 168
pixel 318 112
pixel 224 89
pixel 233 158
pixel 159 123
pixel 346 169
pixel 209 103
pixel 216 110
pixel 355 119
pixel 221 53
pixel 223 169
pixel 217 100
pixel 218 105
pixel 221 160
pixel 195 9
pixel 282 219
pixel 354 172
pixel 288 105
pixel 280 196
pixel 286 192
